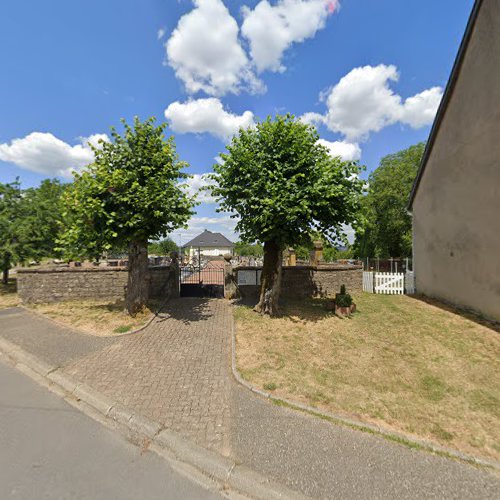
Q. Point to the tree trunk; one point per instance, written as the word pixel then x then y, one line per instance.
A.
pixel 138 277
pixel 271 280
pixel 5 276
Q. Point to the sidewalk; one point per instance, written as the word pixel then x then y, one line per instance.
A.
pixel 177 372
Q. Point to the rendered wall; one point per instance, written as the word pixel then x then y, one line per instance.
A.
pixel 456 211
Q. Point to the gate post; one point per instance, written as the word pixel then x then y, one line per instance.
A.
pixel 230 288
pixel 175 286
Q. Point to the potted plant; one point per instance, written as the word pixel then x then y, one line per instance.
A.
pixel 344 306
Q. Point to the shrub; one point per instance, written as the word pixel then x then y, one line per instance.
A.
pixel 343 299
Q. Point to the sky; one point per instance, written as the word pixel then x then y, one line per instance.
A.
pixel 368 73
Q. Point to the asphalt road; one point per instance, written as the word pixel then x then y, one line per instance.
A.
pixel 50 450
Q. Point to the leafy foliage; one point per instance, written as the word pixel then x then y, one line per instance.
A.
pixel 385 229
pixel 29 222
pixel 130 192
pixel 248 250
pixel 163 247
pixel 283 184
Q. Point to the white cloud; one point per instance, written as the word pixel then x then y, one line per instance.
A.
pixel 420 109
pixel 272 29
pixel 363 102
pixel 206 54
pixel 160 33
pixel 196 185
pixel 346 150
pixel 225 225
pixel 312 118
pixel 206 115
pixel 44 153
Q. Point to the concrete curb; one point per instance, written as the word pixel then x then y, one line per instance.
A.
pixel 185 456
pixel 401 438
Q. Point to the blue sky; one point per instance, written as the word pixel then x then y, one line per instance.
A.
pixel 368 73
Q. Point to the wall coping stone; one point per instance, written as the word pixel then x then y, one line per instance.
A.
pixel 39 270
pixel 321 267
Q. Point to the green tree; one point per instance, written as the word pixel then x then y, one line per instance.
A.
pixel 11 251
pixel 248 250
pixel 129 195
pixel 283 185
pixel 41 219
pixel 385 225
pixel 29 222
pixel 163 247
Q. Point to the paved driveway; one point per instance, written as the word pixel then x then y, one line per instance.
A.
pixel 177 372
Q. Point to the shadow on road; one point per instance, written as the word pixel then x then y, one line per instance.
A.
pixel 187 310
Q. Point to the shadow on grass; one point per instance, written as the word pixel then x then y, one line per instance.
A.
pixel 297 310
pixel 467 314
pixel 10 288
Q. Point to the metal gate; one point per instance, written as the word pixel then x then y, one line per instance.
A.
pixel 203 280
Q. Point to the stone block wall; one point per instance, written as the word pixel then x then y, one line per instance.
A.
pixel 310 281
pixel 109 283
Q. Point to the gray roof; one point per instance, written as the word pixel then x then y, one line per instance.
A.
pixel 455 72
pixel 209 239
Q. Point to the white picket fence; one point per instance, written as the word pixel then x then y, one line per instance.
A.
pixel 389 283
pixel 367 281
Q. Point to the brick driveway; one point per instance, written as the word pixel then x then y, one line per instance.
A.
pixel 175 372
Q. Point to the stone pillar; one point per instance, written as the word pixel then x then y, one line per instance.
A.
pixel 292 257
pixel 230 286
pixel 317 253
pixel 175 286
pixel 286 257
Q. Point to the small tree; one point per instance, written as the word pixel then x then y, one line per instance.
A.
pixel 163 247
pixel 129 194
pixel 283 185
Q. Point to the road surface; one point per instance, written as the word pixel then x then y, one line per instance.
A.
pixel 50 450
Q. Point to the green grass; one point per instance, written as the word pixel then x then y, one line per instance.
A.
pixel 400 363
pixel 8 294
pixel 123 329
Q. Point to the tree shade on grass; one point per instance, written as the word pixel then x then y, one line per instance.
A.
pixel 130 194
pixel 283 185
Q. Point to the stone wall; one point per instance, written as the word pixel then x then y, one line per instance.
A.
pixel 60 284
pixel 309 281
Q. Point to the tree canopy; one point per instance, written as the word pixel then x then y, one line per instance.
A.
pixel 385 227
pixel 29 222
pixel 248 249
pixel 163 247
pixel 130 194
pixel 283 185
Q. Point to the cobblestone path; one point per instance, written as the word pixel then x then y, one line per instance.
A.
pixel 175 372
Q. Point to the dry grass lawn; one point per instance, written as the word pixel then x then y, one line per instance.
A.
pixel 96 317
pixel 399 362
pixel 8 295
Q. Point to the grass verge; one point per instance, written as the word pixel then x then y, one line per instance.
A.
pixel 400 363
pixel 96 317
pixel 8 295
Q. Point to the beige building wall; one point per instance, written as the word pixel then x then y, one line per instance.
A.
pixel 456 210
